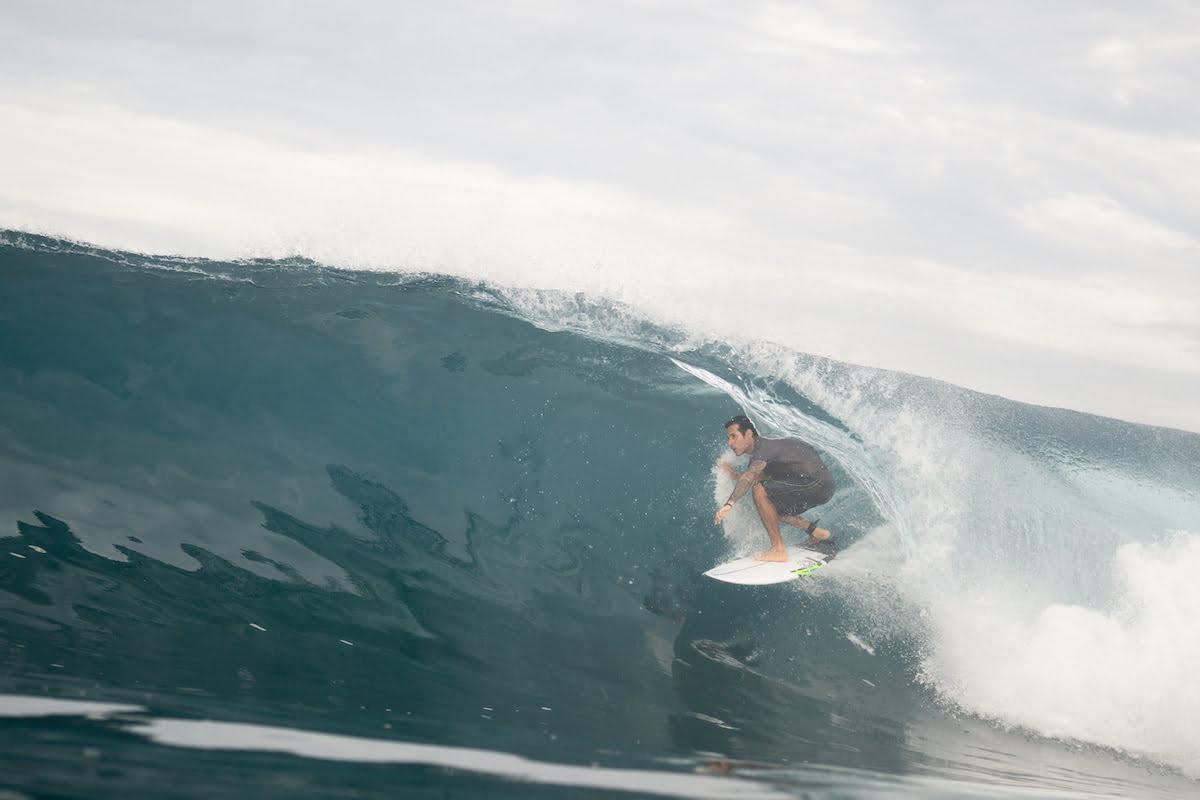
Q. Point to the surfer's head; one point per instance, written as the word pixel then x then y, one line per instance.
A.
pixel 740 434
pixel 743 424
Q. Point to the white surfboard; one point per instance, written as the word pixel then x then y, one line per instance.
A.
pixel 750 572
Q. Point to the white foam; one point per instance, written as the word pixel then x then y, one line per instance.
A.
pixel 21 705
pixel 1036 609
pixel 216 735
pixel 212 735
pixel 1122 677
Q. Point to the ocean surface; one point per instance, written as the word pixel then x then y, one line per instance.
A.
pixel 270 529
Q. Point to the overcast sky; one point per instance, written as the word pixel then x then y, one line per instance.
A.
pixel 1002 195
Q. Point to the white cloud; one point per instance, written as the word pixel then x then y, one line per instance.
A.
pixel 1099 222
pixel 788 29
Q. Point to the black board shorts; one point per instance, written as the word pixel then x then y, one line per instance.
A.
pixel 793 498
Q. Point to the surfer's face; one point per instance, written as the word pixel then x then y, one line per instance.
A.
pixel 740 442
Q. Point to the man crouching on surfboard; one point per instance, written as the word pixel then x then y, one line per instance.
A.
pixel 786 477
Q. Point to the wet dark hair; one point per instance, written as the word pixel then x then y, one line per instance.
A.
pixel 743 423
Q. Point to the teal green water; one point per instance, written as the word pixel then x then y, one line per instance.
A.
pixel 271 529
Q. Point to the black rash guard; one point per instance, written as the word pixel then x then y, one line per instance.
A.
pixel 796 479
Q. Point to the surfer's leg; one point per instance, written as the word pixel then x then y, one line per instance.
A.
pixel 797 521
pixel 818 539
pixel 793 500
pixel 770 521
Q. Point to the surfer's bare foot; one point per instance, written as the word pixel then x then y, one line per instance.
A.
pixel 774 554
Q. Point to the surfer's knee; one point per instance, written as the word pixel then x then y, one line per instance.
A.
pixel 762 500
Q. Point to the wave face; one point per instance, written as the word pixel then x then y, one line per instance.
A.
pixel 273 527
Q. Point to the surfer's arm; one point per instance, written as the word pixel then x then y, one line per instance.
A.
pixel 745 481
pixel 751 476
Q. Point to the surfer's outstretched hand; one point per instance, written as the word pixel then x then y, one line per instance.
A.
pixel 724 510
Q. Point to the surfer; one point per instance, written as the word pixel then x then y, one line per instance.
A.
pixel 786 478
